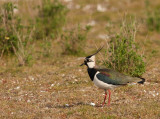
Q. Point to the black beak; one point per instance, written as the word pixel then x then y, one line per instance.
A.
pixel 82 64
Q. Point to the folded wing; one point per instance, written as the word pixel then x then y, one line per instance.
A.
pixel 115 78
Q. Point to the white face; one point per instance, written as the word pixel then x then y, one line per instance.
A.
pixel 91 63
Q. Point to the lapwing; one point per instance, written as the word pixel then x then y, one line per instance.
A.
pixel 107 79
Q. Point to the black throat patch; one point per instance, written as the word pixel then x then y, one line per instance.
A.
pixel 91 72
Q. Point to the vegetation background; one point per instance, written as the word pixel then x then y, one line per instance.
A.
pixel 43 42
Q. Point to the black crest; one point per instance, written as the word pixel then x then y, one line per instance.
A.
pixel 95 52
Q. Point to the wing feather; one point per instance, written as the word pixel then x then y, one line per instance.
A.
pixel 112 77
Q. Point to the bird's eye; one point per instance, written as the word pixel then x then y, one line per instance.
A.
pixel 89 60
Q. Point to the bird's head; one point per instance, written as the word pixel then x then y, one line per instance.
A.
pixel 89 61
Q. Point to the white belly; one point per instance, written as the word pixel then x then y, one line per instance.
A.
pixel 101 84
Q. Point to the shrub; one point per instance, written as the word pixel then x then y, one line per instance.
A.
pixel 13 35
pixel 122 54
pixel 8 39
pixel 51 19
pixel 74 41
pixel 153 17
pixel 46 47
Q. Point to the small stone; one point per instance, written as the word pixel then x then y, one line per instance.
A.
pixel 42 91
pixel 52 85
pixel 28 101
pixel 92 23
pixel 18 87
pixel 67 0
pixel 75 80
pixel 100 8
pixel 103 36
pixel 67 105
pixel 92 104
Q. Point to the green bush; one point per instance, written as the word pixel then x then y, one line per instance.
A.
pixel 46 46
pixel 51 19
pixel 153 17
pixel 122 54
pixel 13 35
pixel 8 38
pixel 74 41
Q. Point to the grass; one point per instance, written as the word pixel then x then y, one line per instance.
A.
pixel 153 17
pixel 54 86
pixel 73 41
pixel 50 20
pixel 39 98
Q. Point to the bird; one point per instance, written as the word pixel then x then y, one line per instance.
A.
pixel 107 79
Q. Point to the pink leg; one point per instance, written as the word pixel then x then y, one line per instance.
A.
pixel 109 97
pixel 105 98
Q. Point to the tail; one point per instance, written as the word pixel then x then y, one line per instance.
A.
pixel 142 81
